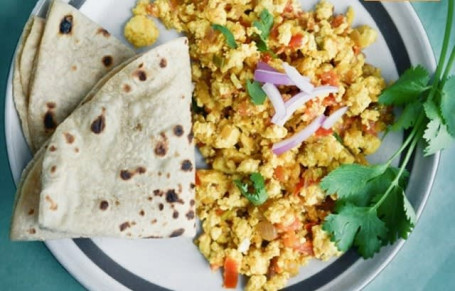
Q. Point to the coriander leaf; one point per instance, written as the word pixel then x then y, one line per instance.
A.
pixel 431 109
pixel 227 35
pixel 408 117
pixel 264 24
pixel 347 180
pixel 397 214
pixel 356 225
pixel 255 91
pixel 437 137
pixel 261 45
pixel 338 138
pixel 448 105
pixel 259 195
pixel 407 88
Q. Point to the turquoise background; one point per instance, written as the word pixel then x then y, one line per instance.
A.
pixel 426 262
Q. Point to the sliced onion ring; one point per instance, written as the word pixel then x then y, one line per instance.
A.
pixel 276 78
pixel 298 138
pixel 276 99
pixel 292 105
pixel 334 117
pixel 324 90
pixel 303 83
pixel 265 67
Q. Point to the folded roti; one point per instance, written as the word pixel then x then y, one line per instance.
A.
pixel 74 53
pixel 23 65
pixel 122 164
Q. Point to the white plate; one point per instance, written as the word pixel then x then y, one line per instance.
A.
pixel 113 264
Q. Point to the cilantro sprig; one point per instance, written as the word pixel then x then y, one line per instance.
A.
pixel 255 91
pixel 372 209
pixel 259 193
pixel 230 40
pixel 264 25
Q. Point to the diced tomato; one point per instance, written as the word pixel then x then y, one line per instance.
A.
pixel 337 20
pixel 329 78
pixel 290 239
pixel 279 174
pixel 306 248
pixel 371 129
pixel 266 58
pixel 274 32
pixel 231 273
pixel 274 268
pixel 296 41
pixel 309 226
pixel 288 8
pixel 299 187
pixel 219 212
pixel 356 49
pixel 243 109
pixel 295 225
pixel 323 132
pixel 329 100
pixel 198 181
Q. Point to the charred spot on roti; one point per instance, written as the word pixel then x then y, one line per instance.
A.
pixel 141 170
pixel 107 61
pixel 125 175
pixel 168 175
pixel 76 150
pixel 158 193
pixel 163 63
pixel 66 25
pixel 141 213
pixel 161 206
pixel 138 127
pixel 192 185
pixel 98 124
pixel 180 188
pixel 32 231
pixel 52 148
pixel 133 223
pixel 126 88
pixel 154 221
pixel 177 232
pixel 124 226
pixel 31 211
pixel 186 166
pixel 186 41
pixel 69 137
pixel 53 168
pixel 171 196
pixel 73 68
pixel 161 148
pixel 190 137
pixel 104 205
pixel 178 130
pixel 192 202
pixel 104 32
pixel 141 65
pixel 175 215
pixel 53 206
pixel 49 121
pixel 190 215
pixel 150 198
pixel 159 173
pixel 141 75
pixel 50 105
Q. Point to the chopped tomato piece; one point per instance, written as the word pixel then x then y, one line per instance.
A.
pixel 219 212
pixel 299 186
pixel 329 78
pixel 329 100
pixel 296 41
pixel 198 181
pixel 231 273
pixel 308 226
pixel 266 58
pixel 288 8
pixel 279 174
pixel 290 239
pixel 337 20
pixel 356 49
pixel 323 132
pixel 306 248
pixel 295 225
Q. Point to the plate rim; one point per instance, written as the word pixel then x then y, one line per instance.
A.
pixel 55 248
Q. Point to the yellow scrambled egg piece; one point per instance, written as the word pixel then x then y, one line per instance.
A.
pixel 141 30
pixel 271 241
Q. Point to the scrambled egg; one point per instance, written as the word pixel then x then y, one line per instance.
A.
pixel 140 30
pixel 270 242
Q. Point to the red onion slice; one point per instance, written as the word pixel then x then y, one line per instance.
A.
pixel 334 117
pixel 265 67
pixel 292 105
pixel 324 90
pixel 276 78
pixel 303 83
pixel 298 138
pixel 276 99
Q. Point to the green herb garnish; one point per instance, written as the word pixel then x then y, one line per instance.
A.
pixel 259 194
pixel 255 91
pixel 372 209
pixel 264 24
pixel 227 35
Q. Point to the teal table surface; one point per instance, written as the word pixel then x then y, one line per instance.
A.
pixel 426 262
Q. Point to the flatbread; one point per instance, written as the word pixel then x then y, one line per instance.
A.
pixel 73 55
pixel 23 64
pixel 122 164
